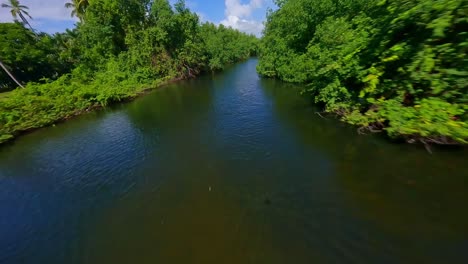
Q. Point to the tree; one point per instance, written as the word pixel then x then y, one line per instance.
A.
pixel 78 8
pixel 395 66
pixel 18 10
pixel 9 74
pixel 121 48
pixel 30 57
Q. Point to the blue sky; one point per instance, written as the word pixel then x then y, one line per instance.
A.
pixel 246 15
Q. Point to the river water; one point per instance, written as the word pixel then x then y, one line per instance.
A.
pixel 227 168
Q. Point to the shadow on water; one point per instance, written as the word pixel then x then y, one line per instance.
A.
pixel 408 194
pixel 227 168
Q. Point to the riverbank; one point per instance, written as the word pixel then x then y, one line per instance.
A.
pixel 43 105
pixel 394 68
pixel 103 61
pixel 25 110
pixel 407 131
pixel 177 169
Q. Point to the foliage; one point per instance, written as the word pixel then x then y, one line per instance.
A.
pixel 118 49
pixel 29 57
pixel 225 46
pixel 78 8
pixel 394 65
pixel 18 10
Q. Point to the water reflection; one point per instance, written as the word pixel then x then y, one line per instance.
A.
pixel 400 190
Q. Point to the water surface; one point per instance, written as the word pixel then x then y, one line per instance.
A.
pixel 227 168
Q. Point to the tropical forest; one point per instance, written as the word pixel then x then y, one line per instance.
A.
pixel 395 65
pixel 118 50
pixel 233 131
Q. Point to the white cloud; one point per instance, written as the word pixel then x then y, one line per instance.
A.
pixel 40 10
pixel 238 16
pixel 244 25
pixel 235 8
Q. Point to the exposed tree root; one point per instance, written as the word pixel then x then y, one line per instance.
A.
pixel 373 128
pixel 320 114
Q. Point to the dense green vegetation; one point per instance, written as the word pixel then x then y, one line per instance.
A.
pixel 398 66
pixel 118 49
pixel 30 57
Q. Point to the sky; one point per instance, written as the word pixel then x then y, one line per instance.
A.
pixel 246 15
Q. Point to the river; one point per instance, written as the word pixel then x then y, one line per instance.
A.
pixel 227 168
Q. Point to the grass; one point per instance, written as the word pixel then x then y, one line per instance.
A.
pixel 4 95
pixel 41 105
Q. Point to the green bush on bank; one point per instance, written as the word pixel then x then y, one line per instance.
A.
pixel 398 66
pixel 40 105
pixel 118 50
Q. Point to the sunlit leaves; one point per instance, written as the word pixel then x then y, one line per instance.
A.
pixel 384 63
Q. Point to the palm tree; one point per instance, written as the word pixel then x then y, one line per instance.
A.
pixel 78 8
pixel 9 74
pixel 18 10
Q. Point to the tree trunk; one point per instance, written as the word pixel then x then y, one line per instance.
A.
pixel 9 74
pixel 25 21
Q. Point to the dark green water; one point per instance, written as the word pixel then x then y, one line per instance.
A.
pixel 227 169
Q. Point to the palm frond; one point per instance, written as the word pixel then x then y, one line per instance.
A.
pixel 26 13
